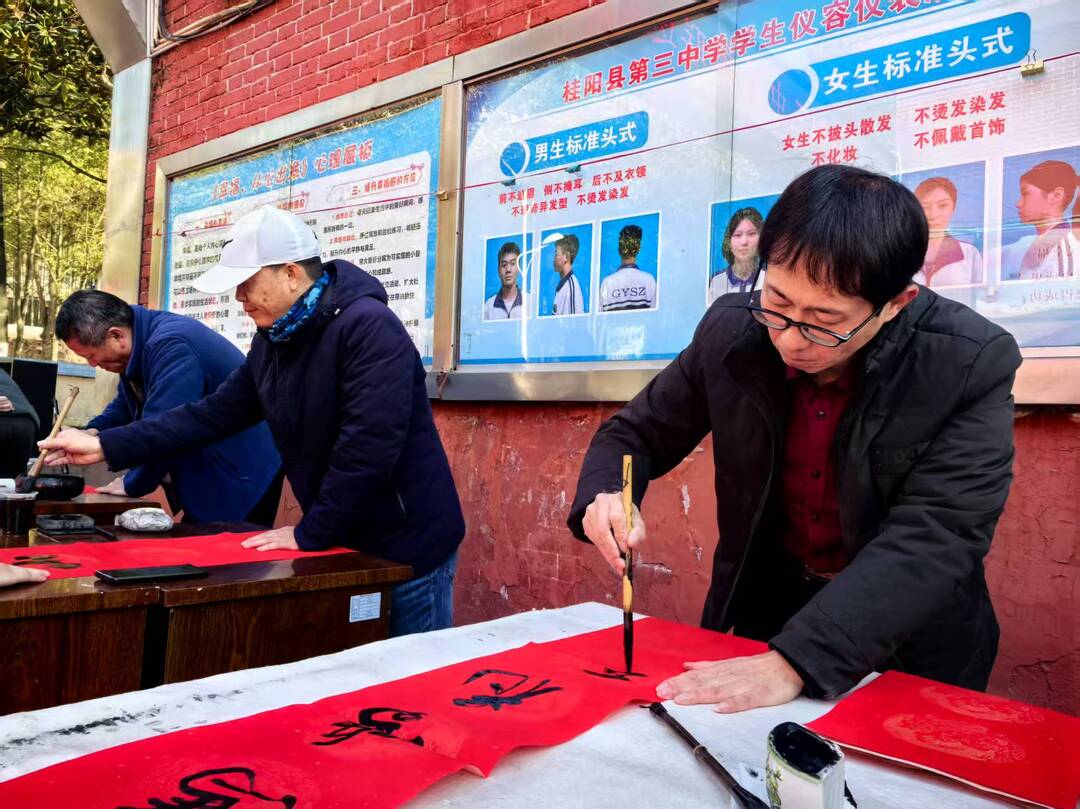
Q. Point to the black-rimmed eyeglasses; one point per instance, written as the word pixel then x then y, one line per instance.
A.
pixel 818 335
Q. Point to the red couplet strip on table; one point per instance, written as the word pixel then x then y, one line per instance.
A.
pixel 989 742
pixel 265 760
pixel 382 745
pixel 83 558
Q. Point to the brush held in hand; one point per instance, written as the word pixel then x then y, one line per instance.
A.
pixel 27 483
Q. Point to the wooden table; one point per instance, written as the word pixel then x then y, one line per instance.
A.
pixel 102 507
pixel 69 640
pixel 264 613
pixel 73 639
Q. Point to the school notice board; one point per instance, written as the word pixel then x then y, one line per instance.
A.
pixel 612 194
pixel 366 188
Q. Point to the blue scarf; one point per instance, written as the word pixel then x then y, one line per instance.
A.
pixel 300 312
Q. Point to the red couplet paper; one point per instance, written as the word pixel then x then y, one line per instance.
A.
pixel 380 746
pixel 992 743
pixel 83 558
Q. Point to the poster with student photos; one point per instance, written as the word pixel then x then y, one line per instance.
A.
pixel 710 113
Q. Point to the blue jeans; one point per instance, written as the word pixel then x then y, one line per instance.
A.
pixel 425 603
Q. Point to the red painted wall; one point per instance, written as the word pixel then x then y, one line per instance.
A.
pixel 516 464
pixel 1034 565
pixel 516 468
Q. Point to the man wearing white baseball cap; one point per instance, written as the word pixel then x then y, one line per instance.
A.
pixel 267 236
pixel 335 375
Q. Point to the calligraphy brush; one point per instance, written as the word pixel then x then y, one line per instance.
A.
pixel 27 483
pixel 628 557
pixel 745 797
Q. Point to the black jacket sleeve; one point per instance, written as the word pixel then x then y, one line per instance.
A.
pixel 939 528
pixel 659 427
pixel 230 409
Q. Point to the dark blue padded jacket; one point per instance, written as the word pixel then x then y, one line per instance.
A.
pixel 346 402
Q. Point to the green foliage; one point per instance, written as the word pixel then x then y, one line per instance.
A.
pixel 55 98
pixel 53 231
pixel 53 78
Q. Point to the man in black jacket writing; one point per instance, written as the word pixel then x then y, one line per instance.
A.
pixel 862 434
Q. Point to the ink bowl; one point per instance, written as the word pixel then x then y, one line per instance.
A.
pixel 57 487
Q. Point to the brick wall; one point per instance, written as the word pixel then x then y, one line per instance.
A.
pixel 295 53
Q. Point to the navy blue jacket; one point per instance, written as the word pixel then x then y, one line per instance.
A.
pixel 346 402
pixel 175 359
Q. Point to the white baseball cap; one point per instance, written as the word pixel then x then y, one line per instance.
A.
pixel 267 235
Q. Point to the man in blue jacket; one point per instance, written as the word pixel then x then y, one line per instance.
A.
pixel 341 385
pixel 165 360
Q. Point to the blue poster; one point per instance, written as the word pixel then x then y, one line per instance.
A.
pixel 566 152
pixel 367 190
pixel 689 131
